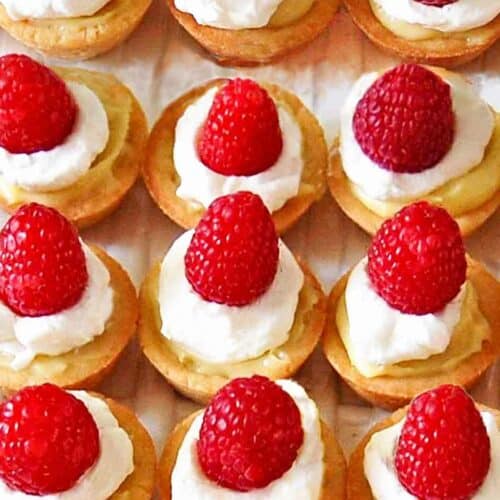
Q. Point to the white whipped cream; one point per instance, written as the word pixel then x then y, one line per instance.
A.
pixel 114 464
pixel 301 482
pixel 25 337
pixel 228 14
pixel 51 9
pixel 219 333
pixel 462 15
pixel 66 163
pixel 381 335
pixel 199 184
pixel 474 125
pixel 382 476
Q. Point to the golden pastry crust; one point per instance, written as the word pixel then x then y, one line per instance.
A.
pixel 449 51
pixel 80 37
pixel 393 392
pixel 334 477
pixel 85 203
pixel 84 367
pixel 162 180
pixel 250 47
pixel 201 384
pixel 358 487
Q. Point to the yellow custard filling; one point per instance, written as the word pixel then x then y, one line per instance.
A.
pixel 290 11
pixel 467 338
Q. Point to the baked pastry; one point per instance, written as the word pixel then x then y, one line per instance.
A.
pixel 442 32
pixel 72 30
pixel 415 313
pixel 67 310
pixel 81 446
pixel 302 459
pixel 259 33
pixel 457 444
pixel 438 141
pixel 86 158
pixel 277 150
pixel 229 300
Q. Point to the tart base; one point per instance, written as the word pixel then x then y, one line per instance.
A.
pixel 395 392
pixel 358 487
pixel 334 477
pixel 449 51
pixel 81 37
pixel 162 180
pixel 251 47
pixel 86 366
pixel 201 385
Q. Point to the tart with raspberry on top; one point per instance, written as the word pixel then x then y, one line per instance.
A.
pixel 67 310
pixel 416 133
pixel 447 33
pixel 58 444
pixel 442 445
pixel 69 138
pixel 256 439
pixel 229 299
pixel 415 313
pixel 236 135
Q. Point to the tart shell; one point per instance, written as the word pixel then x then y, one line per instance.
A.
pixel 201 386
pixel 162 180
pixel 443 51
pixel 334 477
pixel 394 392
pixel 86 366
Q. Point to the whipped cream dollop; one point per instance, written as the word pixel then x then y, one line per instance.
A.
pixel 381 335
pixel 381 473
pixel 24 337
pixel 63 165
pixel 462 15
pixel 474 125
pixel 302 481
pixel 114 464
pixel 218 333
pixel 51 9
pixel 228 14
pixel 199 184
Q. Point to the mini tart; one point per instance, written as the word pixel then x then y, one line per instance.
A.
pixel 113 173
pixel 448 50
pixel 250 47
pixel 78 37
pixel 334 477
pixel 200 381
pixel 358 487
pixel 162 180
pixel 86 366
pixel 395 392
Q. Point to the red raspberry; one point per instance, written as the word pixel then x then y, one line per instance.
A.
pixel 233 256
pixel 37 111
pixel 242 134
pixel 444 449
pixel 436 3
pixel 416 261
pixel 405 120
pixel 42 264
pixel 251 434
pixel 48 440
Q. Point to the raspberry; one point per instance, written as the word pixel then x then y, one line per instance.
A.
pixel 416 261
pixel 233 256
pixel 48 440
pixel 242 134
pixel 37 112
pixel 436 3
pixel 42 264
pixel 405 120
pixel 250 435
pixel 444 449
